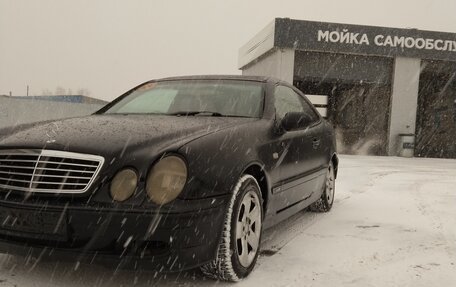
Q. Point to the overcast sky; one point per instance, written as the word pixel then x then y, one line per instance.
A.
pixel 108 46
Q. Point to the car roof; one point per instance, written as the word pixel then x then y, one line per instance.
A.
pixel 223 77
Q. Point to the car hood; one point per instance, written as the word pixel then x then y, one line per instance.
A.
pixel 107 134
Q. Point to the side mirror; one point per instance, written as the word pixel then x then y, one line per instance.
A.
pixel 295 121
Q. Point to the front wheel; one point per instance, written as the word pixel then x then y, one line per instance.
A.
pixel 238 249
pixel 325 202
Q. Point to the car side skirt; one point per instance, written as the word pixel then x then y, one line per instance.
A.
pixel 293 196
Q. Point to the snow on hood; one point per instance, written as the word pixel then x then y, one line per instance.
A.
pixel 112 133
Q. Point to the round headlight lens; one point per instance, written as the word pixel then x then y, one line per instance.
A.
pixel 166 180
pixel 123 185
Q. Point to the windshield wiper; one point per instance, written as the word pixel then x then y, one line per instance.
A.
pixel 197 113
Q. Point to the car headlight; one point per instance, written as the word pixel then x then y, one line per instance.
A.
pixel 123 184
pixel 166 180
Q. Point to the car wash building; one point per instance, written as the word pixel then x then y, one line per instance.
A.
pixel 387 91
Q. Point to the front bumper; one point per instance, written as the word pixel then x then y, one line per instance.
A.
pixel 164 241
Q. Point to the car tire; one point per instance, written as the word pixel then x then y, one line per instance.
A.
pixel 239 246
pixel 325 202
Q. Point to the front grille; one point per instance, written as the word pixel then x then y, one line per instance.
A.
pixel 48 171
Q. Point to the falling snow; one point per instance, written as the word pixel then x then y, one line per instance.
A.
pixel 392 225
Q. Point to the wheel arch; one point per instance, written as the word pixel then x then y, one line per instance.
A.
pixel 256 170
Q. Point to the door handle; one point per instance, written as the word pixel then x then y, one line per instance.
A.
pixel 315 143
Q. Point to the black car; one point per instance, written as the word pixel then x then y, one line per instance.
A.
pixel 178 173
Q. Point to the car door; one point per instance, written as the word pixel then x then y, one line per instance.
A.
pixel 298 167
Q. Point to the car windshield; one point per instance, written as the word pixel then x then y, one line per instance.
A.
pixel 228 98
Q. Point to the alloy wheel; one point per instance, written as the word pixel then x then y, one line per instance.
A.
pixel 330 185
pixel 248 228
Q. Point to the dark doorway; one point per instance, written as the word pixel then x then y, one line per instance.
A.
pixel 358 111
pixel 436 115
pixel 359 92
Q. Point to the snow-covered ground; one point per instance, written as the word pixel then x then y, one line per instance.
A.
pixel 393 224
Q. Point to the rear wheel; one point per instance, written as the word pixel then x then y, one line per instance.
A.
pixel 238 249
pixel 326 200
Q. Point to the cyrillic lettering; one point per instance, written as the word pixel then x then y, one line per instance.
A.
pixel 399 41
pixel 334 36
pixel 429 44
pixel 345 36
pixel 377 40
pixel 389 41
pixel 364 39
pixel 354 38
pixel 438 45
pixel 447 45
pixel 409 42
pixel 323 35
pixel 420 43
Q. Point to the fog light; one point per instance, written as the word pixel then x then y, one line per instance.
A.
pixel 123 185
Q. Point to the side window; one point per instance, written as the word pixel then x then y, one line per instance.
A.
pixel 309 110
pixel 287 100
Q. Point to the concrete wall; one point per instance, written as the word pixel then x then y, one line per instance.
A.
pixel 404 100
pixel 14 111
pixel 278 63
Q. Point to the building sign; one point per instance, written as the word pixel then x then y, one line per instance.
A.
pixel 366 40
pixel 354 38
